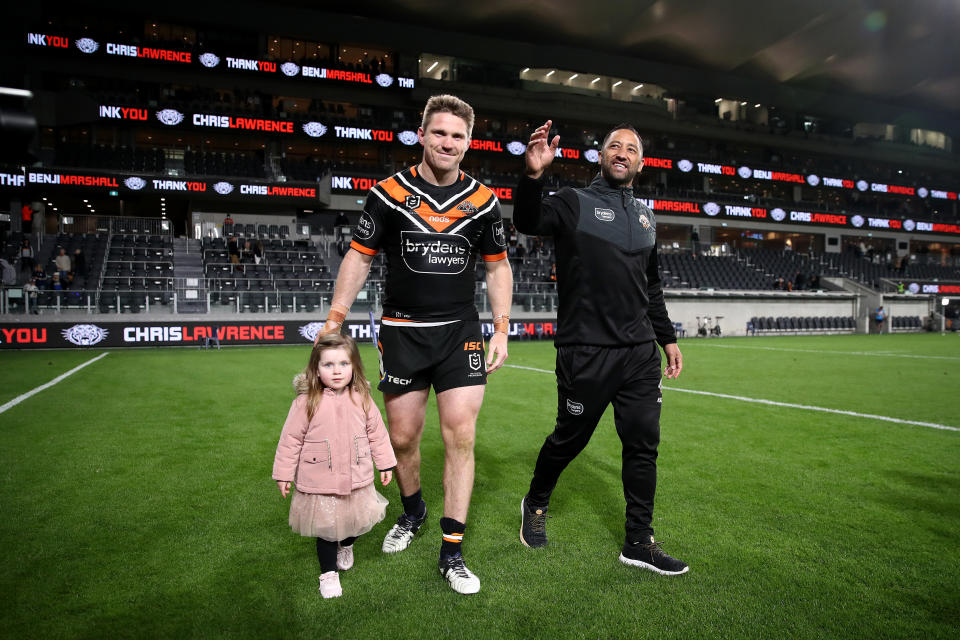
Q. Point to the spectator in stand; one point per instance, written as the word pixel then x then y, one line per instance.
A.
pixel 815 282
pixel 55 283
pixel 63 263
pixel 26 219
pixel 800 281
pixel 79 263
pixel 778 283
pixel 26 255
pixel 40 276
pixel 30 290
pixel 258 252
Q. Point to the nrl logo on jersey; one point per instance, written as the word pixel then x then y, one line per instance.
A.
pixel 412 202
pixel 467 207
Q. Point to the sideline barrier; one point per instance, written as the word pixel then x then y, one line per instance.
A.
pixel 81 335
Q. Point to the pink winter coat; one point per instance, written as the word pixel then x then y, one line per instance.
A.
pixel 333 453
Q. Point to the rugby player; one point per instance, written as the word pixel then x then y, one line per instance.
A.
pixel 431 221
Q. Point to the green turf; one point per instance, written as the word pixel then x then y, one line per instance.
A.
pixel 137 502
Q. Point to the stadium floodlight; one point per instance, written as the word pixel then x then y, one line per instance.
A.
pixel 431 67
pixel 617 83
pixel 757 106
pixel 743 104
pixel 525 70
pixel 595 80
pixel 637 87
pixel 718 100
pixel 573 76
pixel 551 72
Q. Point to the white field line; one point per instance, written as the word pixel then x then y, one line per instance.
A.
pixel 807 407
pixel 885 354
pixel 37 390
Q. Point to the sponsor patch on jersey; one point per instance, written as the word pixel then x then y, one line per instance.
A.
pixel 604 215
pixel 575 408
pixel 467 207
pixel 412 202
pixel 365 227
pixel 498 235
pixel 644 221
pixel 436 253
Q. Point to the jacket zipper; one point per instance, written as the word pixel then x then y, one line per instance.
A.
pixel 623 201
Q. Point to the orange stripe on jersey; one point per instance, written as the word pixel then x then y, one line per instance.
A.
pixel 481 196
pixel 362 249
pixel 495 257
pixel 413 171
pixel 393 188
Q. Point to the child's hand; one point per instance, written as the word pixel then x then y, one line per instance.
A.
pixel 386 477
pixel 284 487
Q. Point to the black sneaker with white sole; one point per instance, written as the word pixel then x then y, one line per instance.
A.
pixel 401 534
pixel 533 525
pixel 649 555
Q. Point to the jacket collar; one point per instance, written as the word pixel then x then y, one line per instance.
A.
pixel 599 183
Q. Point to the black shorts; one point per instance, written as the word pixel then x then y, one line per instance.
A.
pixel 447 356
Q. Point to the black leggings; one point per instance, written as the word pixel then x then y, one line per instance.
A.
pixel 327 552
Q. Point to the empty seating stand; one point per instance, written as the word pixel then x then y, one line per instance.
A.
pixel 800 325
pixel 905 324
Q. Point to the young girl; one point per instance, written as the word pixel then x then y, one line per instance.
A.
pixel 330 435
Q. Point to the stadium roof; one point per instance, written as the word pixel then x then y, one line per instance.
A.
pixel 888 51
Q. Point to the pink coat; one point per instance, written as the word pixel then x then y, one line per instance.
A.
pixel 333 453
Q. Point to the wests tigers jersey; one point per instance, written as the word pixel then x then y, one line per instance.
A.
pixel 430 237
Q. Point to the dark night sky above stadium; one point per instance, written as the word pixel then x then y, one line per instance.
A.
pixel 889 50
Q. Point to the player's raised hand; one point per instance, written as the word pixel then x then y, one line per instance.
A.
pixel 540 150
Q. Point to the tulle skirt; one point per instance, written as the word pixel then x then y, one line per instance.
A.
pixel 331 517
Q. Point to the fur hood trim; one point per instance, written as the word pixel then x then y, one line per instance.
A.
pixel 300 383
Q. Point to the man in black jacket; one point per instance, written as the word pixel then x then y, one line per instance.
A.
pixel 611 317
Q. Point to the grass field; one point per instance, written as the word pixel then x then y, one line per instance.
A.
pixel 136 501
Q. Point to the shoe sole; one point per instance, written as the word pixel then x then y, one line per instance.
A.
pixel 643 565
pixel 525 543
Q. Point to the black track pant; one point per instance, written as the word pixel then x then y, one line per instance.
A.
pixel 588 379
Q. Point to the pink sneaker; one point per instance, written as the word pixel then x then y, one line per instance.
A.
pixel 344 558
pixel 330 585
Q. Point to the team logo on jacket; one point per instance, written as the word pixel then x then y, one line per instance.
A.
pixel 467 207
pixel 436 253
pixel 604 215
pixel 84 335
pixel 644 221
pixel 412 202
pixel 575 408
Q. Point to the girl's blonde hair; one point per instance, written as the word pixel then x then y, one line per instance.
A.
pixel 315 386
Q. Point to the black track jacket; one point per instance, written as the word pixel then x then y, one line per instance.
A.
pixel 607 277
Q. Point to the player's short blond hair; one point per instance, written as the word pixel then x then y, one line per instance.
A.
pixel 448 104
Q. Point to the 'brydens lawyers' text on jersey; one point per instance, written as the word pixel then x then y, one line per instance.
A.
pixel 430 236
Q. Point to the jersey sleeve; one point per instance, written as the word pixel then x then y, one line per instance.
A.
pixel 493 240
pixel 368 232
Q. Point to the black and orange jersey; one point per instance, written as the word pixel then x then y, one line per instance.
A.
pixel 430 237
